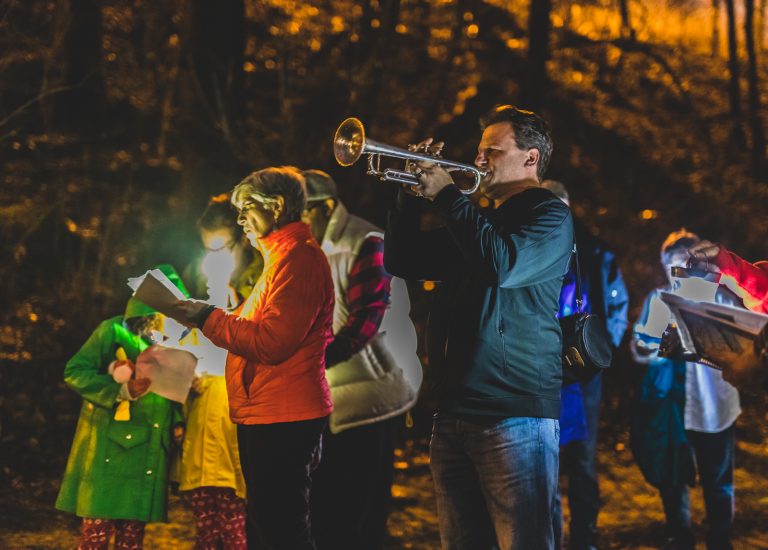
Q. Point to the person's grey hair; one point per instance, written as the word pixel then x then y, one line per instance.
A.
pixel 531 132
pixel 557 188
pixel 266 185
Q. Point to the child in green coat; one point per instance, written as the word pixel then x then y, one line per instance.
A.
pixel 117 473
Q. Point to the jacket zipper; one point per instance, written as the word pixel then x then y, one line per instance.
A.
pixel 503 345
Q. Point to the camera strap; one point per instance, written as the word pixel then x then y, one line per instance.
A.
pixel 579 297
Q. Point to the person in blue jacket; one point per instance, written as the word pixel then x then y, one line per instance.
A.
pixel 683 422
pixel 603 293
pixel 494 342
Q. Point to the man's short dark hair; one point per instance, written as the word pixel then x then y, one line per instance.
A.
pixel 531 131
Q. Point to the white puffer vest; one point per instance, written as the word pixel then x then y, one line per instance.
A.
pixel 383 379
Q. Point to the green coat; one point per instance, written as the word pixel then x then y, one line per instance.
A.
pixel 116 470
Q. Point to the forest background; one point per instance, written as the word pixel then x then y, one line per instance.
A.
pixel 119 118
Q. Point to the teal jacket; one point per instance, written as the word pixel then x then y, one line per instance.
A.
pixel 116 469
pixel 658 440
pixel 493 339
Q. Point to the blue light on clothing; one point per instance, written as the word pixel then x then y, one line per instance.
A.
pixel 573 419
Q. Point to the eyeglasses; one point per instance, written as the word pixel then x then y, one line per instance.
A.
pixel 312 205
pixel 245 208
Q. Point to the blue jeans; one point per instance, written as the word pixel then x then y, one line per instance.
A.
pixel 714 462
pixel 495 482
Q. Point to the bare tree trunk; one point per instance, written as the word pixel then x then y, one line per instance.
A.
pixel 760 30
pixel 755 122
pixel 51 73
pixel 217 47
pixel 734 88
pixel 210 97
pixel 166 109
pixel 538 52
pixel 715 28
pixel 82 107
pixel 367 35
pixel 434 107
pixel 626 25
pixel 287 115
pixel 371 80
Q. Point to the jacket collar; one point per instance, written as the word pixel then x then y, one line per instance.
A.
pixel 284 237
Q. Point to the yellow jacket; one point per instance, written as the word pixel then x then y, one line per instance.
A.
pixel 210 455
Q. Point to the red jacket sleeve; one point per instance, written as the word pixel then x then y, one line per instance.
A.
pixel 750 281
pixel 295 298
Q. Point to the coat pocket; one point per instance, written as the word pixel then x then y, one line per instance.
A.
pixel 128 436
pixel 127 452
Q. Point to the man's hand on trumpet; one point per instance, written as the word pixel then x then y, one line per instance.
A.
pixel 432 178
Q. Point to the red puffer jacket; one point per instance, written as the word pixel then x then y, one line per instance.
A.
pixel 275 368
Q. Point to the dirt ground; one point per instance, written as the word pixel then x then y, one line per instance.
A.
pixel 631 516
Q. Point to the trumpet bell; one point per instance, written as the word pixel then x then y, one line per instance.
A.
pixel 349 142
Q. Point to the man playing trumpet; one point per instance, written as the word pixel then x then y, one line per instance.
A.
pixel 494 342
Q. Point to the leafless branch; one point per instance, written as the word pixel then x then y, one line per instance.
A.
pixel 39 97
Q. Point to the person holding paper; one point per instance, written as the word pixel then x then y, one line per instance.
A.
pixel 683 423
pixel 116 477
pixel 275 370
pixel 748 281
pixel 211 478
pixel 228 270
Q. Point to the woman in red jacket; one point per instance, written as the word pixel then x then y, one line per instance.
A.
pixel 748 281
pixel 275 369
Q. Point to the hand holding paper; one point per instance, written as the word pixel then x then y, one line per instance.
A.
pixel 720 335
pixel 187 310
pixel 156 290
pixel 702 255
pixel 170 370
pixel 138 387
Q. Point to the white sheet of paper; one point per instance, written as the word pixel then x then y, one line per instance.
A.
pixel 723 335
pixel 157 291
pixel 210 358
pixel 171 371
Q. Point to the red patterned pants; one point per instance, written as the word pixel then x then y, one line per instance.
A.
pixel 95 534
pixel 219 516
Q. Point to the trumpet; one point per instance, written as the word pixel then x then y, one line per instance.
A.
pixel 350 143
